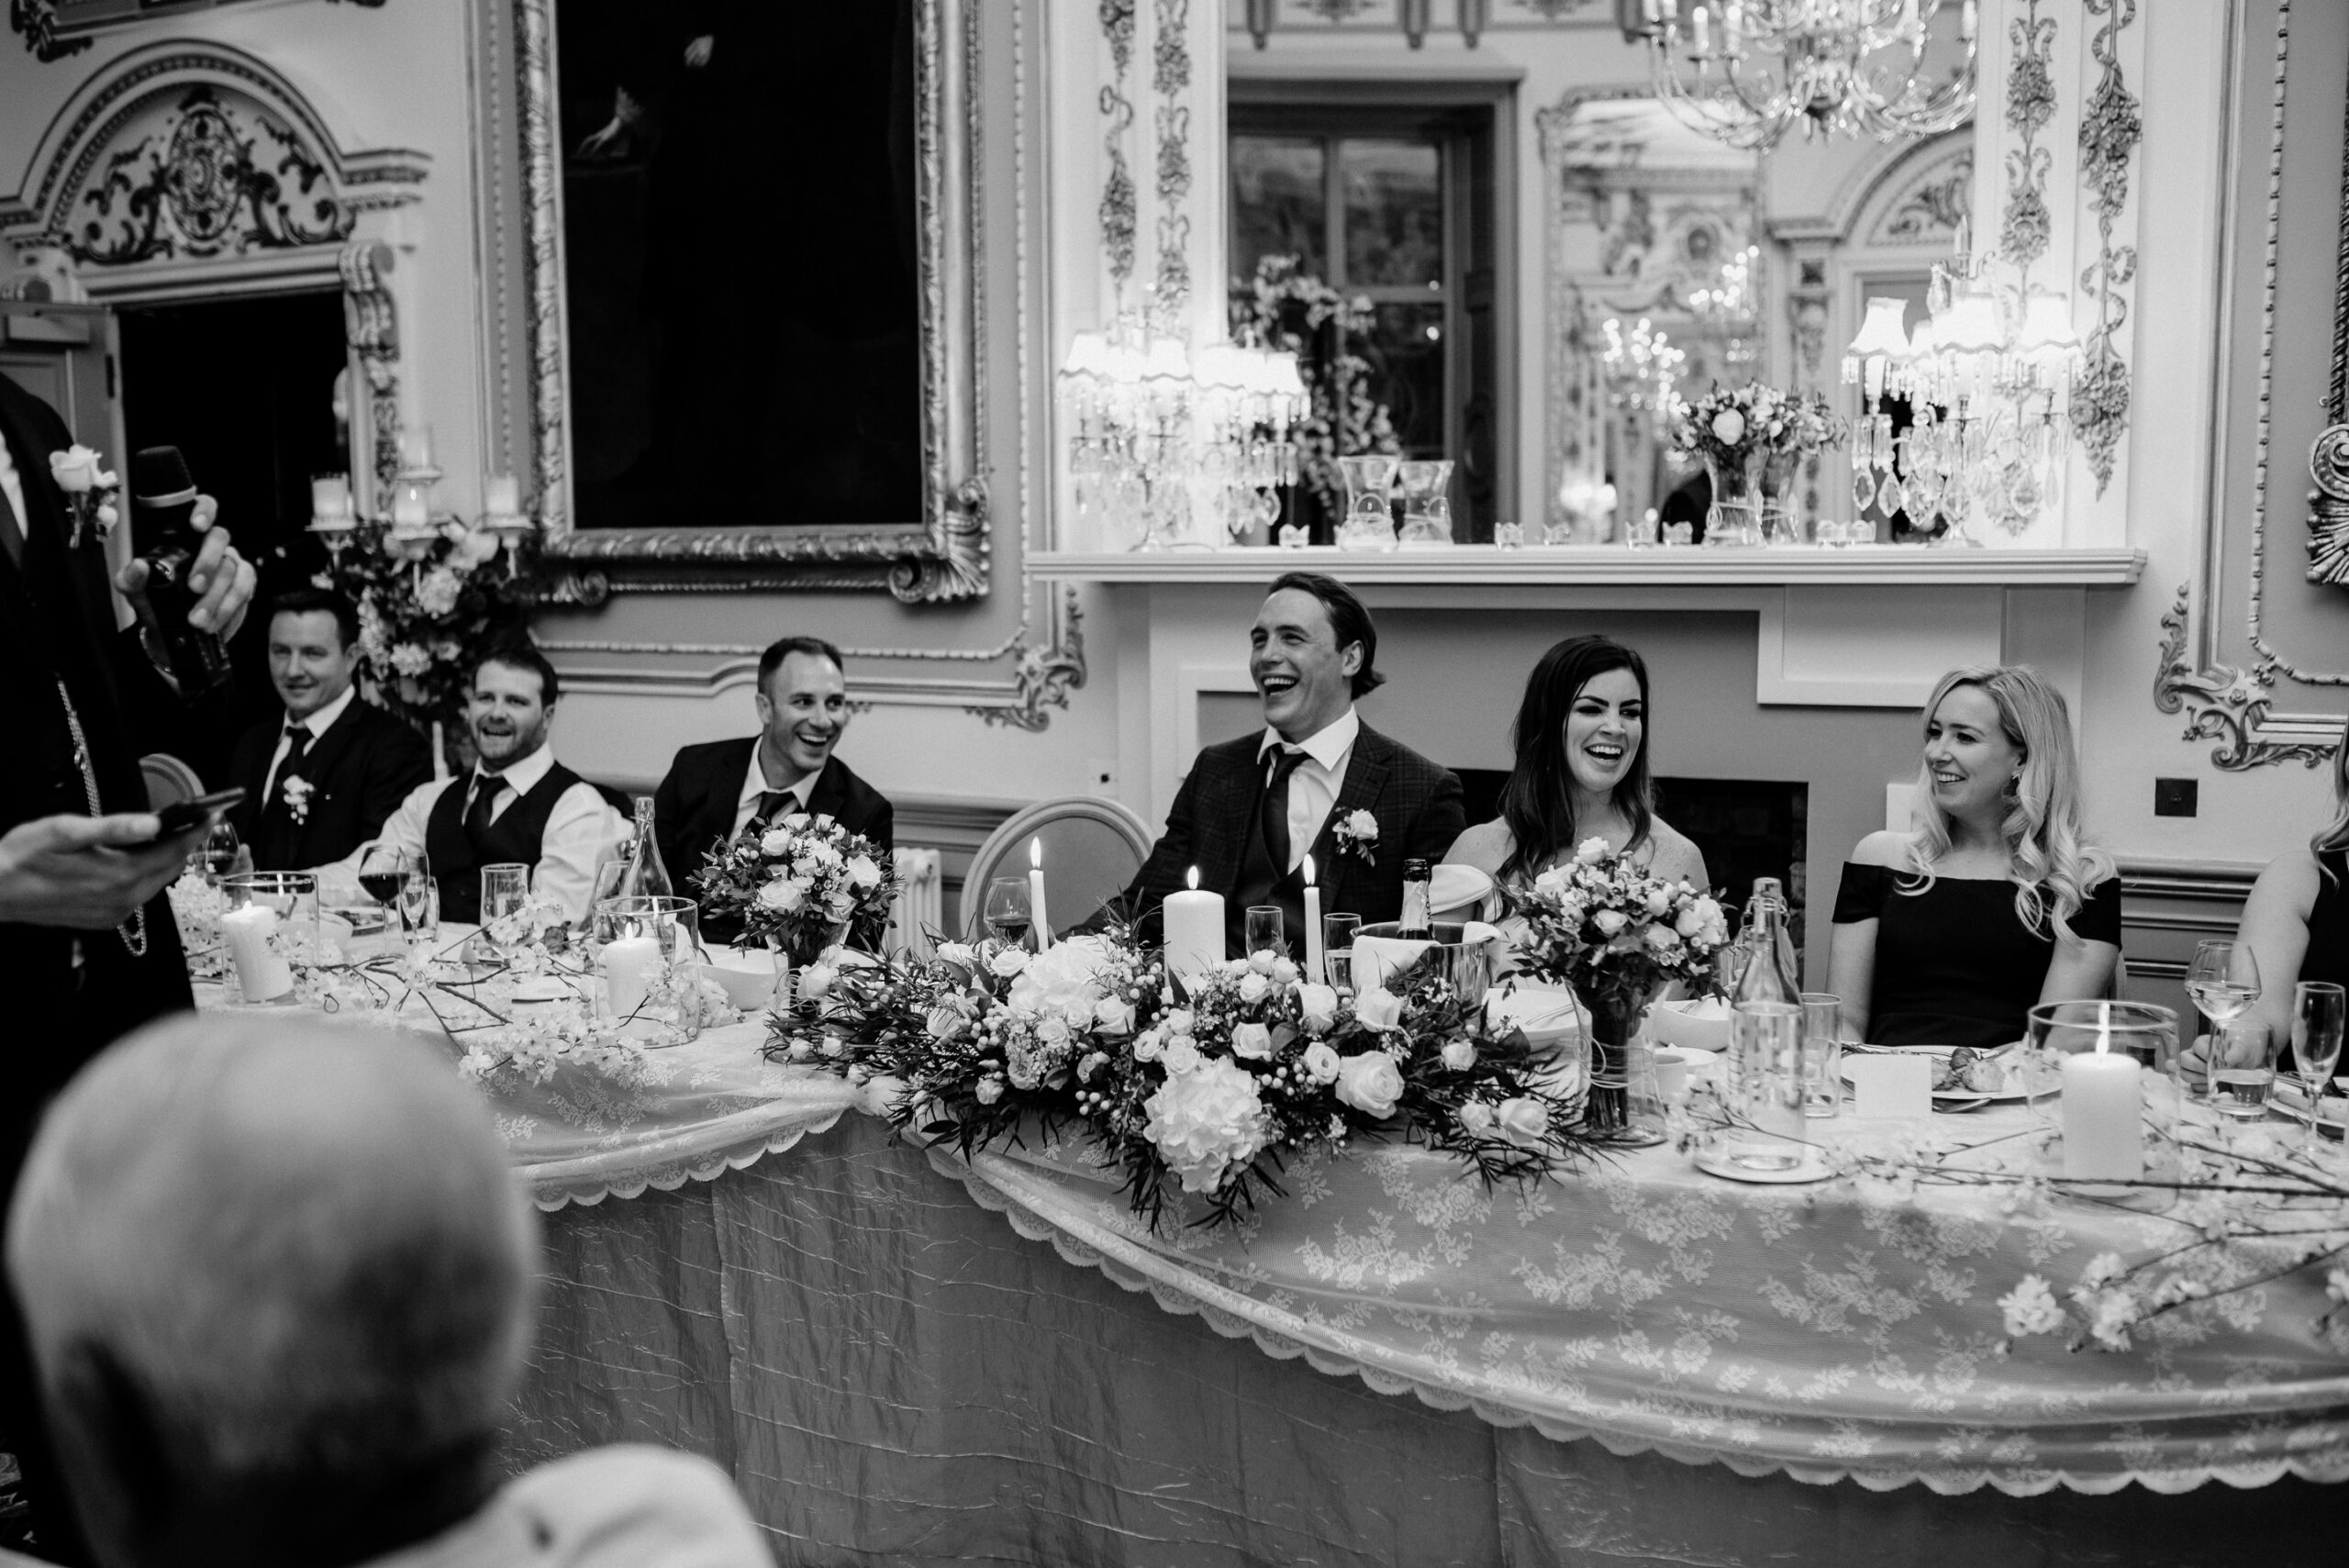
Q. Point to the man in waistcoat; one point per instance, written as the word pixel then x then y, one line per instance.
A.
pixel 322 780
pixel 518 806
pixel 1316 780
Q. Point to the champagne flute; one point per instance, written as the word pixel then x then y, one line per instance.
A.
pixel 420 901
pixel 504 901
pixel 1006 909
pixel 2318 1009
pixel 2223 980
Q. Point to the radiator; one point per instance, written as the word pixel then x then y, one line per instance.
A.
pixel 919 907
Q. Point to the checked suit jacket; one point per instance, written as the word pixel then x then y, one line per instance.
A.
pixel 1416 801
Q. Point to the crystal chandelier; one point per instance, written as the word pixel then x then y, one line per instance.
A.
pixel 1746 72
pixel 1988 375
pixel 1189 444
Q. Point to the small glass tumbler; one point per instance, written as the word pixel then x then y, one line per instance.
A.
pixel 1338 949
pixel 273 917
pixel 2243 1073
pixel 504 909
pixel 1508 536
pixel 1822 1055
pixel 1262 930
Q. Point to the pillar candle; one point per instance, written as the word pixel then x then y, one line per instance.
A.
pixel 1194 932
pixel 2103 1118
pixel 632 967
pixel 1037 920
pixel 262 974
pixel 505 497
pixel 1314 960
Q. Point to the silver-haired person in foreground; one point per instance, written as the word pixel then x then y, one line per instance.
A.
pixel 279 1281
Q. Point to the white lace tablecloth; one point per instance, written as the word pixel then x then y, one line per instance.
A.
pixel 709 1106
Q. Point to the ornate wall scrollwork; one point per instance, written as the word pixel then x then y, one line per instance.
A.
pixel 213 173
pixel 2228 704
pixel 2110 128
pixel 944 554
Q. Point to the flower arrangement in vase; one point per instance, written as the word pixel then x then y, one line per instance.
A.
pixel 799 885
pixel 1618 936
pixel 1751 438
pixel 1205 1091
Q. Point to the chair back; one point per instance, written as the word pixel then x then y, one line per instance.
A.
pixel 169 780
pixel 1092 849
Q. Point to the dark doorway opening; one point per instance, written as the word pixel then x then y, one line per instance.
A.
pixel 245 388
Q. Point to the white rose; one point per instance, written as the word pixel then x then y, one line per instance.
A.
pixel 1008 963
pixel 1459 1054
pixel 816 980
pixel 75 470
pixel 1179 1021
pixel 1475 1119
pixel 1369 1083
pixel 1053 1032
pixel 775 843
pixel 1321 1062
pixel 783 894
pixel 1113 1014
pixel 1663 939
pixel 1524 1122
pixel 1317 1006
pixel 961 954
pixel 1254 985
pixel 1362 826
pixel 1253 1041
pixel 1285 972
pixel 943 1023
pixel 879 1096
pixel 1551 884
pixel 1608 921
pixel 1261 961
pixel 1659 900
pixel 1591 851
pixel 796 821
pixel 1092 1062
pixel 989 1091
pixel 1729 426
pixel 863 872
pixel 1378 1008
pixel 1149 1046
pixel 1181 1056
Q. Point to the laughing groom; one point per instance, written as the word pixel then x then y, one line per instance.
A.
pixel 1318 779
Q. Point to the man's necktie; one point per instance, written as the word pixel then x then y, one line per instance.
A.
pixel 774 803
pixel 297 743
pixel 1275 810
pixel 485 801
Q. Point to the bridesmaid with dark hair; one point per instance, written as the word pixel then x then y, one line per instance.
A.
pixel 1581 772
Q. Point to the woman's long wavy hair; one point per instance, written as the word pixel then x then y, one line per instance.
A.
pixel 1538 801
pixel 2052 866
pixel 2335 833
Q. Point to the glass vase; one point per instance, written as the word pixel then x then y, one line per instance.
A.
pixel 1621 1103
pixel 1776 478
pixel 1370 519
pixel 1427 505
pixel 1734 518
pixel 649 981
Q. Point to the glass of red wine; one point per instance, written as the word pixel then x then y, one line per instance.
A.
pixel 383 872
pixel 1006 910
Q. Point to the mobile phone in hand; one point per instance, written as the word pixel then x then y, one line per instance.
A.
pixel 181 814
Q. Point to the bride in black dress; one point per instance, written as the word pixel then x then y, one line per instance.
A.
pixel 1951 934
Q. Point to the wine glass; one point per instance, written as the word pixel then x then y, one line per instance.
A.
pixel 383 874
pixel 223 853
pixel 419 900
pixel 2318 1009
pixel 1006 909
pixel 2223 980
pixel 504 901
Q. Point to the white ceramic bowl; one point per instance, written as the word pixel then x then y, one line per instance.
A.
pixel 746 975
pixel 1701 1024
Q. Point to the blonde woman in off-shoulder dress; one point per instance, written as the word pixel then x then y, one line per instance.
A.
pixel 1581 772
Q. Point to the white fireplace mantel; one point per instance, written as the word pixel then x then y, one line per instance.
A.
pixel 1876 566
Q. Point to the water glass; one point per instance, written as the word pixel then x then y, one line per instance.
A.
pixel 1766 1092
pixel 505 905
pixel 1337 949
pixel 2242 1069
pixel 2318 1009
pixel 2223 981
pixel 1262 930
pixel 1822 1055
pixel 1006 910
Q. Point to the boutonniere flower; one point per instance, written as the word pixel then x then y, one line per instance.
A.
pixel 89 490
pixel 1358 834
pixel 297 790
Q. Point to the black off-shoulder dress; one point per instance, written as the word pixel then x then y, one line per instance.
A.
pixel 1955 964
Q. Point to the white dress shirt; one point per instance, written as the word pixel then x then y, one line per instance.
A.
pixel 11 484
pixel 577 833
pixel 318 724
pixel 1313 788
pixel 754 784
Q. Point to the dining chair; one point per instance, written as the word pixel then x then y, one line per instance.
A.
pixel 1092 848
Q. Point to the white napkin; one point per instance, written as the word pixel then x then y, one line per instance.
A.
pixel 1890 1085
pixel 1454 890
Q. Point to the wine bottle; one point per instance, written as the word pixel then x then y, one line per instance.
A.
pixel 164 535
pixel 1417 924
pixel 646 877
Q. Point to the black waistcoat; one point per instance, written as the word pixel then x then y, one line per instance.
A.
pixel 458 854
pixel 1260 883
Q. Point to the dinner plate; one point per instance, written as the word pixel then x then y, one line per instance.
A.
pixel 1814 1168
pixel 1960 1099
pixel 2288 1098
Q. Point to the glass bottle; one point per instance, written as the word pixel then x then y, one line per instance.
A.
pixel 1765 1038
pixel 645 877
pixel 1417 924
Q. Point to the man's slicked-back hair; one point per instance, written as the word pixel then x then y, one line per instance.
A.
pixel 1349 618
pixel 520 653
pixel 784 648
pixel 311 600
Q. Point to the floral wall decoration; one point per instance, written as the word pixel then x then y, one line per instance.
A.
pixel 1298 312
pixel 2030 104
pixel 1118 190
pixel 2110 128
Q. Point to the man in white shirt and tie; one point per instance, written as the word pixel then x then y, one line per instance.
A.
pixel 518 806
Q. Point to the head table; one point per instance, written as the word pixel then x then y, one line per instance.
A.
pixel 893 1374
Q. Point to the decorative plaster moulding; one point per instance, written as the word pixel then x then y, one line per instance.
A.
pixel 1475 566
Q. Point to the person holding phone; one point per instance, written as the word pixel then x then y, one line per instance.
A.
pixel 87 945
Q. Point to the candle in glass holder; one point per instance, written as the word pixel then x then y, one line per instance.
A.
pixel 262 974
pixel 1314 962
pixel 1036 919
pixel 632 968
pixel 503 497
pixel 1194 932
pixel 330 506
pixel 2104 1136
pixel 411 513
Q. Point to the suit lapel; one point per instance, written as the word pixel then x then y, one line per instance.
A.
pixel 716 825
pixel 831 792
pixel 1366 773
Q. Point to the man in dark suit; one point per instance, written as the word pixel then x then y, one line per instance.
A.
pixel 322 781
pixel 716 789
pixel 1317 780
pixel 87 945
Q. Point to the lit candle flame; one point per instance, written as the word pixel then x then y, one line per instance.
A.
pixel 1309 871
pixel 1194 879
pixel 1036 853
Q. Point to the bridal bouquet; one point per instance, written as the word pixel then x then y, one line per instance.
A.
pixel 1618 936
pixel 799 883
pixel 1207 1091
